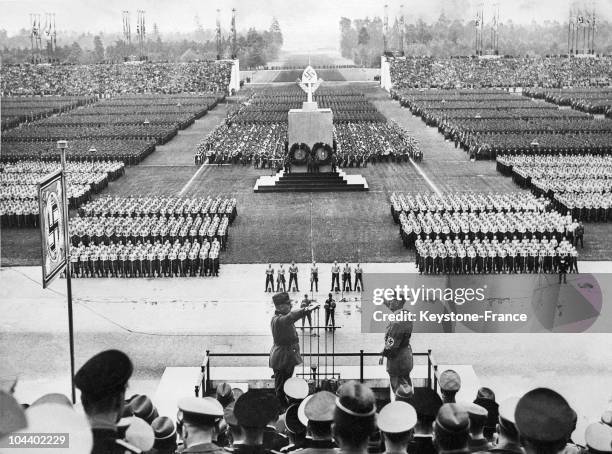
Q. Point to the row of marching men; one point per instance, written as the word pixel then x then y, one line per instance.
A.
pixel 106 230
pixel 146 259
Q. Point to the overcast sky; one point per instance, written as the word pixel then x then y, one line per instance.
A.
pixel 306 24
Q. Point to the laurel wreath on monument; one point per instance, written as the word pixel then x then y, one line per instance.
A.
pixel 298 153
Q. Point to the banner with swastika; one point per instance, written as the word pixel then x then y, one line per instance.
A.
pixel 51 209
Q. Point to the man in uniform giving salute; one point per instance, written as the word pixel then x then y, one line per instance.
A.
pixel 285 353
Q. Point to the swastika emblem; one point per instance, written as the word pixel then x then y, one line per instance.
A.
pixel 52 217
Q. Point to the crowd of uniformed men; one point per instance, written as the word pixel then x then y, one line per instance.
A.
pixel 488 123
pixel 167 259
pixel 487 233
pixel 150 236
pixel 580 185
pixel 255 132
pixel 352 278
pixel 494 256
pixel 19 193
pixel 420 420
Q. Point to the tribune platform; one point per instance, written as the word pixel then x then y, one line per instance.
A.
pixel 175 380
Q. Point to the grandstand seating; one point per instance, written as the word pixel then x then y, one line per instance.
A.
pixel 114 79
pixel 473 72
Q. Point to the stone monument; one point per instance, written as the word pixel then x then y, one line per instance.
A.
pixel 310 125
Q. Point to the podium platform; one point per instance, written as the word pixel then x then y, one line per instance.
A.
pixel 311 182
pixel 177 382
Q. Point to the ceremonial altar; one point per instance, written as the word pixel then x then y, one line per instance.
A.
pixel 311 125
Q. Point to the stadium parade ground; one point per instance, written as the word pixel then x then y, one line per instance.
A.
pixel 171 322
pixel 302 226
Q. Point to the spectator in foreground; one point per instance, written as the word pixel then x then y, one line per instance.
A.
pixel 13 416
pixel 545 421
pixel 200 418
pixel 253 411
pixel 478 418
pixel 492 408
pixel 296 431
pixel 296 390
pixel 396 421
pixel 354 417
pixel 450 384
pixel 426 403
pixel 142 407
pixel 598 438
pixel 165 436
pixel 224 394
pixel 508 440
pixel 233 434
pixel 452 430
pixel 103 381
pixel 316 412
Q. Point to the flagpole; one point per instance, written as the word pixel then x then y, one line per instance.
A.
pixel 569 33
pixel 62 144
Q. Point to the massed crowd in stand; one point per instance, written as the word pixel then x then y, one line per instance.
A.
pixel 467 72
pixel 115 79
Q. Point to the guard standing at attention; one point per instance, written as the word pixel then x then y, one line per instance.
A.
pixel 293 272
pixel 269 278
pixel 398 350
pixel 358 278
pixel 280 278
pixel 346 278
pixel 314 277
pixel 335 277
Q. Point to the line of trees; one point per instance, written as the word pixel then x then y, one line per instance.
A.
pixel 362 39
pixel 253 48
